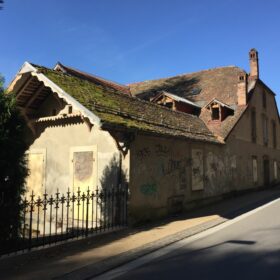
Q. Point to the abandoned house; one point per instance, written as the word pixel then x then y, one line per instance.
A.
pixel 175 142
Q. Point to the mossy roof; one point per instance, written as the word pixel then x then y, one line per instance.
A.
pixel 121 111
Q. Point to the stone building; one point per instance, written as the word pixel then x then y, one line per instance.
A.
pixel 178 142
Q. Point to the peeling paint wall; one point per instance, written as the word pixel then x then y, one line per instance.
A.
pixel 166 174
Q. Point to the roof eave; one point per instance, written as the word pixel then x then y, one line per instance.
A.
pixel 28 68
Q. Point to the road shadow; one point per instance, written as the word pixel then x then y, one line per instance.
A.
pixel 57 259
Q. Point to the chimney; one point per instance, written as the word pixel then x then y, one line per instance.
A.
pixel 254 64
pixel 242 90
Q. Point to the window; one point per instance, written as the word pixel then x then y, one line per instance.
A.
pixel 253 125
pixel 255 169
pixel 264 99
pixel 275 167
pixel 274 136
pixel 215 113
pixel 265 131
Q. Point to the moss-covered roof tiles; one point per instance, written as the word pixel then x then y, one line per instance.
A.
pixel 119 110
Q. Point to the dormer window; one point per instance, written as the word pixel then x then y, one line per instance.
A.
pixel 176 103
pixel 215 113
pixel 219 110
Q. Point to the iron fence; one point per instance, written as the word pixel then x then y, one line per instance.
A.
pixel 53 218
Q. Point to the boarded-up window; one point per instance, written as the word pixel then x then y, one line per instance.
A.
pixel 36 165
pixel 83 165
pixel 197 169
pixel 83 168
pixel 275 167
pixel 255 170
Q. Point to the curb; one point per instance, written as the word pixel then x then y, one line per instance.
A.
pixel 97 269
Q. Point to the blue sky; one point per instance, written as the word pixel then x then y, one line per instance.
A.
pixel 136 40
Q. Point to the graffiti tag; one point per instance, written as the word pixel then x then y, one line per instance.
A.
pixel 143 153
pixel 148 189
pixel 161 150
pixel 172 166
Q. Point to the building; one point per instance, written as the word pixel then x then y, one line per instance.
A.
pixel 176 142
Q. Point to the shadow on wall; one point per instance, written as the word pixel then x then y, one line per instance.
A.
pixel 41 127
pixel 113 175
pixel 113 202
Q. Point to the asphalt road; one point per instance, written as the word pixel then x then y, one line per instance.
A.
pixel 247 247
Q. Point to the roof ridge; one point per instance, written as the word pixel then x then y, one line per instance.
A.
pixel 189 73
pixel 94 76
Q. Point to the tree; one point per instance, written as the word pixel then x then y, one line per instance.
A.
pixel 13 168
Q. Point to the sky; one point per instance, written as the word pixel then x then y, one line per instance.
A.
pixel 135 40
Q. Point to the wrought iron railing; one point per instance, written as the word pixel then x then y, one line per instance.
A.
pixel 54 218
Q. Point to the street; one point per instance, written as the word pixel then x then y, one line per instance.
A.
pixel 247 247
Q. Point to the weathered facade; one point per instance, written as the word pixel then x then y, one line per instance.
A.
pixel 86 131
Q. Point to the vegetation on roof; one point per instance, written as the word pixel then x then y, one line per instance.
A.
pixel 119 109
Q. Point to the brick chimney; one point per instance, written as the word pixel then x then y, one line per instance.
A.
pixel 242 90
pixel 254 64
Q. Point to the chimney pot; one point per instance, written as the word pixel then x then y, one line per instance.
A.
pixel 242 90
pixel 254 64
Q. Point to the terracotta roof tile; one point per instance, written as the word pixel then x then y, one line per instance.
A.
pixel 200 87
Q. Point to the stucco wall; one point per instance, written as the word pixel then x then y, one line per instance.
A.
pixel 58 138
pixel 161 176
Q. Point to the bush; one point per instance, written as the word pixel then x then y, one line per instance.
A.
pixel 13 167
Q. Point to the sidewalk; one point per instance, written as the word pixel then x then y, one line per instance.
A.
pixel 86 258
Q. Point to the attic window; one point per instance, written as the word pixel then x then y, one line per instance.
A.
pixel 241 78
pixel 215 113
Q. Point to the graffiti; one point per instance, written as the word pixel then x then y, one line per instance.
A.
pixel 148 189
pixel 197 169
pixel 173 165
pixel 143 153
pixel 161 150
pixel 183 179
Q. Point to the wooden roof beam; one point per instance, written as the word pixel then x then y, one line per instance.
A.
pixel 26 110
pixel 35 94
pixel 24 86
